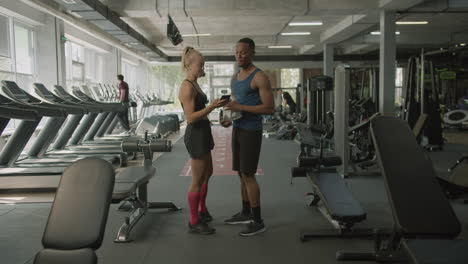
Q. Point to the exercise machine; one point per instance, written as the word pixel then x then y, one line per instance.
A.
pixel 425 225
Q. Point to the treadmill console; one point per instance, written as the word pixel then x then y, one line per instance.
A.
pixel 44 92
pixel 64 94
pixel 82 96
pixel 17 93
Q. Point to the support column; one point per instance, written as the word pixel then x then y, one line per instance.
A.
pixel 387 63
pixel 341 136
pixel 60 52
pixel 328 59
pixel 119 62
pixel 328 63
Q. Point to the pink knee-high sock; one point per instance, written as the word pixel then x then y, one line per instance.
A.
pixel 193 200
pixel 203 194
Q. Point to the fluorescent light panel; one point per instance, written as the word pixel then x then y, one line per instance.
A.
pixel 378 32
pixel 412 22
pixel 462 44
pixel 314 23
pixel 280 47
pixel 197 35
pixel 295 33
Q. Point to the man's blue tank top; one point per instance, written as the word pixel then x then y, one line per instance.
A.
pixel 245 95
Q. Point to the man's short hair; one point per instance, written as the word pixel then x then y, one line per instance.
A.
pixel 120 77
pixel 248 41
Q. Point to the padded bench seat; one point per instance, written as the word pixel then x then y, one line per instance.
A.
pixel 437 251
pixel 127 181
pixel 125 185
pixel 314 161
pixel 336 196
pixel 77 256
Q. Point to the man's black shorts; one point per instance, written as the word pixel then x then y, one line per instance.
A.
pixel 246 146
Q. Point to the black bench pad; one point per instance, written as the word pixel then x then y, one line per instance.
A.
pixel 419 206
pixel 336 196
pixel 54 256
pixel 127 181
pixel 437 251
pixel 329 161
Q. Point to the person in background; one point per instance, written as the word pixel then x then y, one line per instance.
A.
pixel 289 102
pixel 123 98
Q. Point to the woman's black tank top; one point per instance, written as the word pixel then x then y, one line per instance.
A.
pixel 200 100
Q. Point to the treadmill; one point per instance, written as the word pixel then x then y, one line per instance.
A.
pixel 95 135
pixel 105 118
pixel 89 124
pixel 19 182
pixel 38 154
pixel 109 124
pixel 70 127
pixel 20 137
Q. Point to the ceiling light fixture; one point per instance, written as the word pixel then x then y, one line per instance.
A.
pixel 295 33
pixel 197 35
pixel 378 33
pixel 412 22
pixel 315 23
pixel 280 47
pixel 462 44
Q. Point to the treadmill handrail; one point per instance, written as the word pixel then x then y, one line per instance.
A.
pixel 61 92
pixel 33 103
pixel 12 112
pixel 57 101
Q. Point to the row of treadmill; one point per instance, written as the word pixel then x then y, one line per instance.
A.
pixel 74 156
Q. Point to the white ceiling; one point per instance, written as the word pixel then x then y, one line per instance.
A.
pixel 345 22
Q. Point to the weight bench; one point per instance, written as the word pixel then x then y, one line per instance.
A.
pixel 338 204
pixel 131 186
pixel 76 224
pixel 425 224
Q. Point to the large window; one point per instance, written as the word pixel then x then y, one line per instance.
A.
pixel 221 76
pixel 290 78
pixel 129 71
pixel 5 40
pixel 84 65
pixel 24 49
pixel 223 69
pixel 6 62
pixel 17 63
pixel 75 64
pixel 165 83
pixel 17 54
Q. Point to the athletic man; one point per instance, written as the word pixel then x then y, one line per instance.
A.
pixel 253 98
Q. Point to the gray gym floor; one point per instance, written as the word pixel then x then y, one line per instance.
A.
pixel 162 237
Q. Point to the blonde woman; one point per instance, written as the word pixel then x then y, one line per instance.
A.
pixel 198 139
